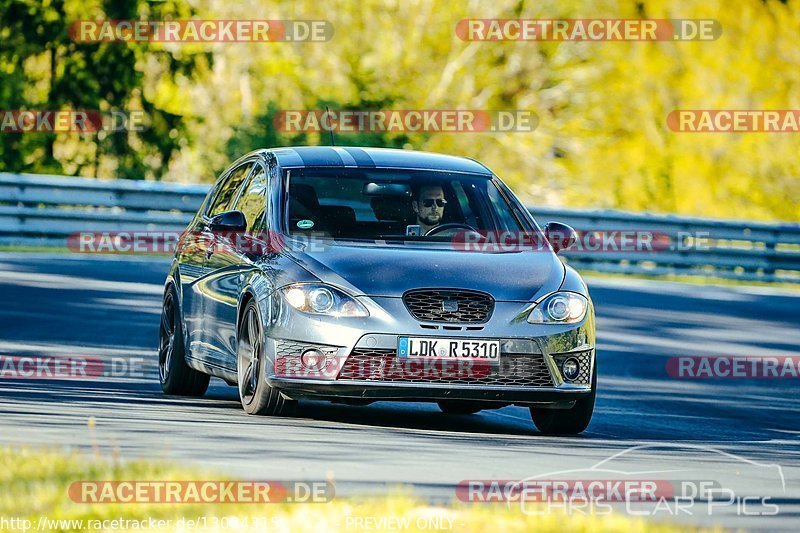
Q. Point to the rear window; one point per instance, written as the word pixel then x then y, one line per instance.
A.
pixel 376 204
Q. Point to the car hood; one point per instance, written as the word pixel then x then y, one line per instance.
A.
pixel 391 270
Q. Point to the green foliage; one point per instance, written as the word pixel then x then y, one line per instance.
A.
pixel 602 138
pixel 44 69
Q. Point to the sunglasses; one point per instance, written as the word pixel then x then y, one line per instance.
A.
pixel 428 202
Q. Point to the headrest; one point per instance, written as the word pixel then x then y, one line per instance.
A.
pixel 305 194
pixel 391 208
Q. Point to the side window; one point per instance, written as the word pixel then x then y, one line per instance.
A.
pixel 501 207
pixel 465 199
pixel 253 200
pixel 227 190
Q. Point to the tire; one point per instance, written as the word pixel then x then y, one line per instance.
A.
pixel 257 397
pixel 175 376
pixel 458 407
pixel 567 421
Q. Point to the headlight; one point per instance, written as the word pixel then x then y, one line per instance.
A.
pixel 320 299
pixel 559 308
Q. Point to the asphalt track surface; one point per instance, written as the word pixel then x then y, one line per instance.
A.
pixel 743 434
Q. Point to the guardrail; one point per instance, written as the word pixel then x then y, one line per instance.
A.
pixel 697 246
pixel 39 210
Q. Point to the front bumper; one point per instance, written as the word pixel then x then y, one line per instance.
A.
pixel 362 366
pixel 353 390
pixel 370 374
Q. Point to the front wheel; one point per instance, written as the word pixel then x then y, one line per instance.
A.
pixel 567 421
pixel 257 397
pixel 175 375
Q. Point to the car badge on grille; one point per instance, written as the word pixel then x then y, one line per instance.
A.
pixel 450 306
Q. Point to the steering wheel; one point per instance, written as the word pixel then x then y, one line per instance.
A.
pixel 450 225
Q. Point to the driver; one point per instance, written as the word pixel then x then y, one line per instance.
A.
pixel 428 204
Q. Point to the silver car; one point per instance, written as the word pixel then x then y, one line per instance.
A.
pixel 360 274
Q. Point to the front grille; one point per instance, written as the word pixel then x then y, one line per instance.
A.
pixel 442 305
pixel 514 370
pixel 585 366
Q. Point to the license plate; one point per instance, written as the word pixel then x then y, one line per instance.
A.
pixel 457 349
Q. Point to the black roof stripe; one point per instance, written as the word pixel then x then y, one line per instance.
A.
pixel 362 158
pixel 341 156
pixel 320 156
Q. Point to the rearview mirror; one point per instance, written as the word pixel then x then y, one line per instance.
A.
pixel 232 221
pixel 386 189
pixel 560 236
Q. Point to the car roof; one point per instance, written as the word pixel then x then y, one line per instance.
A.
pixel 350 156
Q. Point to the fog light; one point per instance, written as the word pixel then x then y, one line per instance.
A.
pixel 570 368
pixel 313 358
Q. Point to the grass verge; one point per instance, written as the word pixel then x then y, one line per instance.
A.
pixel 692 280
pixel 63 250
pixel 35 484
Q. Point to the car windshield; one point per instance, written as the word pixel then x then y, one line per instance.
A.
pixel 376 204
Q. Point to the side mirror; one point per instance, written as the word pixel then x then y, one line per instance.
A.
pixel 560 236
pixel 229 221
